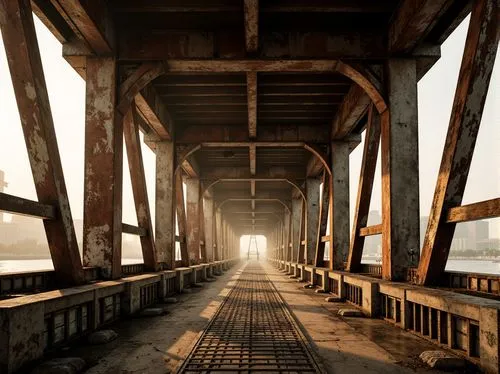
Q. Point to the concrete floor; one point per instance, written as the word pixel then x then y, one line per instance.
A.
pixel 342 345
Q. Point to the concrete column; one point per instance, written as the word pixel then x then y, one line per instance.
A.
pixel 165 204
pixel 208 213
pixel 312 220
pixel 400 179
pixel 193 219
pixel 296 227
pixel 218 235
pixel 102 212
pixel 286 250
pixel 340 203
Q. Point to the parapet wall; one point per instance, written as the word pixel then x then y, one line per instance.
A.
pixel 34 324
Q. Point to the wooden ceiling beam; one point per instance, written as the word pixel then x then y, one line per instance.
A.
pixel 90 23
pixel 351 111
pixel 252 104
pixel 251 13
pixel 140 45
pixel 413 21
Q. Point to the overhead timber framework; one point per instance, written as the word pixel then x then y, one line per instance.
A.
pixel 255 107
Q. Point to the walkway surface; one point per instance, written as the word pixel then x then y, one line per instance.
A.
pixel 252 331
pixel 255 316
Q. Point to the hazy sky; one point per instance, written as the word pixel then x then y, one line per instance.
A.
pixel 67 97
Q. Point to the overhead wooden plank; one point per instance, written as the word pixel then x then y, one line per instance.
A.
pixel 473 81
pixel 25 65
pixel 370 230
pixel 134 230
pixel 473 212
pixel 252 104
pixel 181 218
pixel 252 155
pixel 81 17
pixel 139 188
pixel 251 12
pixel 365 187
pixel 412 22
pixel 25 207
pixel 137 45
pixel 242 173
pixel 279 133
pixel 354 106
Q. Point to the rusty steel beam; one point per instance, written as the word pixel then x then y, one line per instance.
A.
pixel 474 78
pixel 324 209
pixel 181 218
pixel 296 228
pixel 97 34
pixel 25 65
pixel 208 215
pixel 139 187
pixel 252 104
pixel 165 203
pixel 154 112
pixel 25 207
pixel 218 235
pixel 351 111
pixel 50 17
pixel 413 21
pixel 193 219
pixel 475 211
pixel 251 13
pixel 252 155
pixel 235 194
pixel 370 230
pixel 365 187
pixel 134 230
pixel 102 214
pixel 201 219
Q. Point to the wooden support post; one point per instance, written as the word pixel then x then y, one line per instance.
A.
pixel 193 219
pixel 23 55
pixel 312 220
pixel 102 214
pixel 139 189
pixel 340 204
pixel 366 177
pixel 324 209
pixel 400 186
pixel 296 224
pixel 473 82
pixel 181 217
pixel 165 203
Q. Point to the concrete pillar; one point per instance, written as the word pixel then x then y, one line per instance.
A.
pixel 165 204
pixel 296 227
pixel 340 203
pixel 400 179
pixel 218 235
pixel 193 219
pixel 208 213
pixel 312 220
pixel 102 212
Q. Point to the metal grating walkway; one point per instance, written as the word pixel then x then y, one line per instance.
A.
pixel 252 331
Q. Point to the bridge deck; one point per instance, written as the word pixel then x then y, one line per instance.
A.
pixel 252 331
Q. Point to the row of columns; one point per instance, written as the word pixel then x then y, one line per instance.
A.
pixel 398 132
